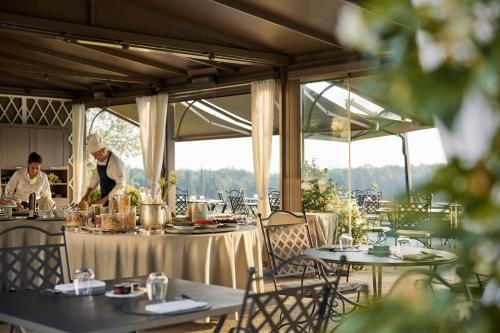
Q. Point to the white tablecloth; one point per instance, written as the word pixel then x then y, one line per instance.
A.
pixel 27 237
pixel 323 227
pixel 221 258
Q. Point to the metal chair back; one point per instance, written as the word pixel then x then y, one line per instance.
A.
pixel 181 201
pixel 371 202
pixel 307 308
pixel 38 266
pixel 412 215
pixel 274 201
pixel 237 201
pixel 286 235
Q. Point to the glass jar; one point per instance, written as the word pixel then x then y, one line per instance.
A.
pixel 156 286
pixel 124 205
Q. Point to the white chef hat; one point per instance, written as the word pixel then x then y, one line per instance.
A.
pixel 95 143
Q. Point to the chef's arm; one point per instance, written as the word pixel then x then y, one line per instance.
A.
pixel 10 189
pixel 117 172
pixel 94 181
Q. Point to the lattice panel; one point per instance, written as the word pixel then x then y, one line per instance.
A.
pixel 237 202
pixel 274 201
pixel 11 109
pixel 303 309
pixel 412 215
pixel 51 112
pixel 181 202
pixel 288 241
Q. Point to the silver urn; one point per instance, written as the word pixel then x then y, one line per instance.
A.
pixel 154 216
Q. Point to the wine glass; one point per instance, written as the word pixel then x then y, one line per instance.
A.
pixel 81 280
pixel 403 241
pixel 347 240
pixel 156 286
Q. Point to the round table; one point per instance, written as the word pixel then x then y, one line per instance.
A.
pixel 362 257
pixel 215 258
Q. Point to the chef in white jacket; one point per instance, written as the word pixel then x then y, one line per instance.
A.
pixel 28 180
pixel 110 171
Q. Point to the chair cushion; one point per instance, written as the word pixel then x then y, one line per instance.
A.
pixel 413 233
pixel 345 288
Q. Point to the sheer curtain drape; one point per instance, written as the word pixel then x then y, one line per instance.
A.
pixel 152 124
pixel 79 151
pixel 264 96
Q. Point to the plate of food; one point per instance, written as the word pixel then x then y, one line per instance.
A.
pixel 125 290
pixel 183 226
pixel 207 224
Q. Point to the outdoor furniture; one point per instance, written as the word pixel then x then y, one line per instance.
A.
pixel 411 220
pixel 237 201
pixel 28 236
pixel 221 258
pixel 181 201
pixel 274 201
pixel 371 205
pixel 307 308
pixel 43 312
pixel 360 256
pixel 37 266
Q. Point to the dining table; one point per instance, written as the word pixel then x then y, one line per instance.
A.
pixel 397 257
pixel 47 312
pixel 215 257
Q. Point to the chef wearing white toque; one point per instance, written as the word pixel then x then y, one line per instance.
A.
pixel 110 172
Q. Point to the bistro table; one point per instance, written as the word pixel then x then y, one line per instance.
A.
pixel 99 314
pixel 214 258
pixel 360 256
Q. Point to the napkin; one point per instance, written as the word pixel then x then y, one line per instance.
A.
pixel 175 306
pixel 71 286
pixel 419 256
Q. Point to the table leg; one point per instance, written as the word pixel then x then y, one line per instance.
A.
pixel 220 323
pixel 374 277
pixel 379 292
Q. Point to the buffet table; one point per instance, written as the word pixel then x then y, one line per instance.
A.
pixel 216 258
pixel 27 237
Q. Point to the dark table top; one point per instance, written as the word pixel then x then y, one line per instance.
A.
pixel 362 257
pixel 61 313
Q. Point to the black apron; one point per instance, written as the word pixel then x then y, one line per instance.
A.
pixel 107 184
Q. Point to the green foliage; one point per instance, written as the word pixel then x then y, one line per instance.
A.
pixel 134 195
pixel 94 196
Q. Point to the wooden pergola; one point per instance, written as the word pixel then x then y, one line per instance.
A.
pixel 106 52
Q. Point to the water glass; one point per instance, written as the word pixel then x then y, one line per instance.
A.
pixel 402 241
pixel 347 240
pixel 81 281
pixel 156 286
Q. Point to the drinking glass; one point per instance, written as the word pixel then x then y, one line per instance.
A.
pixel 402 241
pixel 156 286
pixel 345 239
pixel 81 280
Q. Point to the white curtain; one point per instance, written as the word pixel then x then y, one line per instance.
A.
pixel 264 95
pixel 152 125
pixel 79 151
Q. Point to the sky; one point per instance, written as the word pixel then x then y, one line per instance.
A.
pixel 425 148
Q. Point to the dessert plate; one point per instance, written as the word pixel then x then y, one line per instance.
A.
pixel 132 294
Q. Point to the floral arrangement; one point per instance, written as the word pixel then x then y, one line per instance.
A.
pixel 53 178
pixel 166 184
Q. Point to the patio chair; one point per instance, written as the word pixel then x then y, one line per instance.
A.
pixel 306 308
pixel 411 219
pixel 371 204
pixel 421 197
pixel 359 195
pixel 181 201
pixel 237 201
pixel 287 235
pixel 274 201
pixel 223 197
pixel 38 266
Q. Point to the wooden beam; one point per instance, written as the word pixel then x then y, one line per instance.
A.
pixel 134 58
pixel 37 92
pixel 44 68
pixel 49 80
pixel 184 48
pixel 281 22
pixel 68 57
pixel 184 25
pixel 224 67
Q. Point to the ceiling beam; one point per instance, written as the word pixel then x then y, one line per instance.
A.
pixel 138 41
pixel 68 57
pixel 134 58
pixel 281 22
pixel 184 25
pixel 224 67
pixel 49 80
pixel 37 92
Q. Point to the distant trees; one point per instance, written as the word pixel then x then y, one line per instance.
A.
pixel 388 179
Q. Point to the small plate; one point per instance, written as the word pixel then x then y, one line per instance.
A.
pixel 132 294
pixel 208 226
pixel 182 227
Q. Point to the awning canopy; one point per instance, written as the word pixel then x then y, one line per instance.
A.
pixel 205 119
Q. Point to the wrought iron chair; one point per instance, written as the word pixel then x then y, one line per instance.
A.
pixel 237 201
pixel 287 235
pixel 307 308
pixel 411 219
pixel 181 201
pixel 371 204
pixel 38 266
pixel 274 201
pixel 360 196
pixel 223 197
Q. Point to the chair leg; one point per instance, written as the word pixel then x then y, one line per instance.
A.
pixel 348 269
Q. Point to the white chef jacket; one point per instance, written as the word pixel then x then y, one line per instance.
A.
pixel 20 185
pixel 116 171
